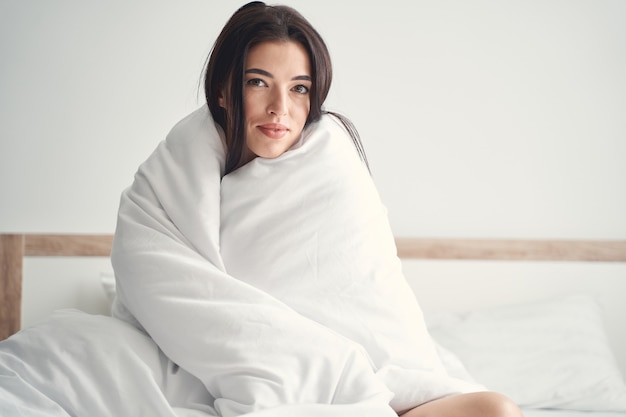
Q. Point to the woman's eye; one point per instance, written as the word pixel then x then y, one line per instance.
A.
pixel 301 89
pixel 256 82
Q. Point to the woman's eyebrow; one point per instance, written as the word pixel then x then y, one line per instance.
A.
pixel 259 71
pixel 270 75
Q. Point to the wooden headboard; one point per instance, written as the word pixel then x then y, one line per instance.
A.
pixel 14 247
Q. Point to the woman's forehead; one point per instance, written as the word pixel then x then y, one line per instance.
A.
pixel 279 58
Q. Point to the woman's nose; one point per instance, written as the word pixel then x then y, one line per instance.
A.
pixel 278 104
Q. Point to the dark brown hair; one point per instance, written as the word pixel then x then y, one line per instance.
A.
pixel 251 25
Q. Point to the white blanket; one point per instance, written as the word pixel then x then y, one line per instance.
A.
pixel 276 288
pixel 76 364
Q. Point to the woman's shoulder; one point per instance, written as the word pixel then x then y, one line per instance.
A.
pixel 193 121
pixel 339 124
pixel 331 119
pixel 194 140
pixel 198 126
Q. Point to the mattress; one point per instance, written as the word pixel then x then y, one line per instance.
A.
pixel 569 413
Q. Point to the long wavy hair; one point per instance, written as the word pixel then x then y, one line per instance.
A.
pixel 252 24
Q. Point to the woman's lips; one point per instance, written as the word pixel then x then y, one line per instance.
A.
pixel 273 130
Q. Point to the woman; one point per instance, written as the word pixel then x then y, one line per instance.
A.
pixel 253 250
pixel 246 28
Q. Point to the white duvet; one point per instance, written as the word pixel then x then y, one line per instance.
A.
pixel 275 290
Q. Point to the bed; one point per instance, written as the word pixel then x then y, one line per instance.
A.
pixel 473 335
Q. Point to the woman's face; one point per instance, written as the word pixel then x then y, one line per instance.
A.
pixel 277 84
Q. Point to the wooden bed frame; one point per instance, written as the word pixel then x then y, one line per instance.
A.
pixel 14 247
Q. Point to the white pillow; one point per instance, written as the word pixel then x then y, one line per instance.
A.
pixel 551 354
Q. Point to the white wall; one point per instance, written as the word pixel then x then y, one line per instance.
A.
pixel 481 118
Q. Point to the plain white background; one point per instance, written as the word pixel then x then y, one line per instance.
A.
pixel 482 118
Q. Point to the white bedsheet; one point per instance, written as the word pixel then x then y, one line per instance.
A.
pixel 529 412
